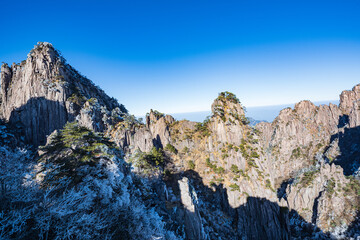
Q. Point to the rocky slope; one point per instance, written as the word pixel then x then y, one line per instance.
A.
pixel 296 177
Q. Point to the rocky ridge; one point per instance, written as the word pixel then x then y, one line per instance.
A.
pixel 269 161
pixel 296 177
pixel 43 92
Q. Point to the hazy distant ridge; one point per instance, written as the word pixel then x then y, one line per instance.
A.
pixel 263 113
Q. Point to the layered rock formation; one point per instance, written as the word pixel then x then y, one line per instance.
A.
pixel 324 197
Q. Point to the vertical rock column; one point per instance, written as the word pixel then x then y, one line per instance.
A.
pixel 193 225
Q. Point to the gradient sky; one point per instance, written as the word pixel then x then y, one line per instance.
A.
pixel 176 56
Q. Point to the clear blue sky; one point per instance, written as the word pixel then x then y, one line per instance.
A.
pixel 177 55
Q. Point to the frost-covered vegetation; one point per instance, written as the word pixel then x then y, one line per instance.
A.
pixel 151 163
pixel 80 189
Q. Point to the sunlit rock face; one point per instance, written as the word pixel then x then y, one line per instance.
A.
pixel 193 224
pixel 268 161
pixel 43 92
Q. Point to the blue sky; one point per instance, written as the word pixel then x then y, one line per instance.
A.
pixel 176 56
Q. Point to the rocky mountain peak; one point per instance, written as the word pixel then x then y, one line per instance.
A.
pixel 153 116
pixel 305 108
pixel 43 92
pixel 46 51
pixel 348 97
pixel 228 106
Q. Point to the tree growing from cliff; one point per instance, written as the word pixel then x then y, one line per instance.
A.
pixel 95 198
pixel 229 97
pixel 72 152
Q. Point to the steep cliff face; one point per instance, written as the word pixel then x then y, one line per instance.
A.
pixel 268 161
pixel 297 135
pixel 225 153
pixel 325 197
pixel 311 148
pixel 263 219
pixel 43 92
pixel 192 218
pixel 347 99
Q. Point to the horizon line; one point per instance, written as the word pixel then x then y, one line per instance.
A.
pixel 259 106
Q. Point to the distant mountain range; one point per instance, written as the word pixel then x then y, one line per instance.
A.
pixel 256 114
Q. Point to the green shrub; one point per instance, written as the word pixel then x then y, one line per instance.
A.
pixel 157 114
pixel 77 98
pixel 92 100
pixel 296 153
pixel 208 163
pixel 191 164
pixel 203 127
pixel 219 170
pixel 244 120
pixel 260 173
pixel 254 155
pixel 308 178
pixel 330 188
pixel 268 185
pixel 228 96
pixel 234 187
pixel 251 163
pixel 171 148
pixel 220 180
pixel 235 169
pixel 70 149
pixel 352 186
pixel 187 137
pixel 155 158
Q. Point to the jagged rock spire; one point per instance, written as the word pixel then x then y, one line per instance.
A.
pixel 43 92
